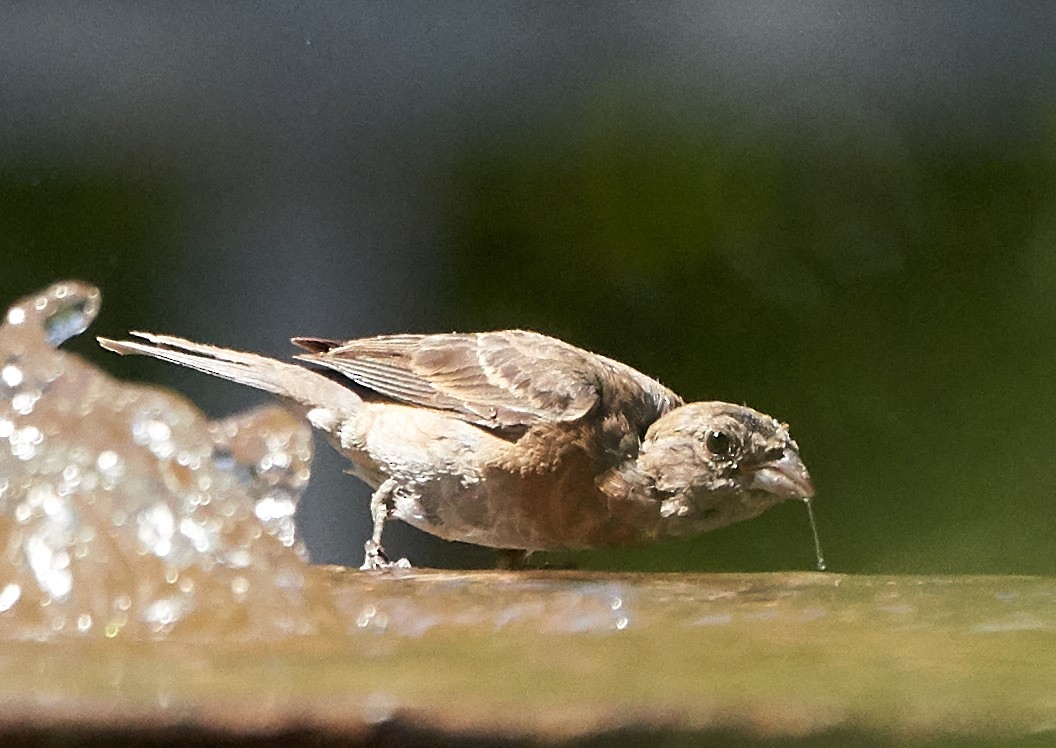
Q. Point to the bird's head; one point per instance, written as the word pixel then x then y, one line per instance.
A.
pixel 716 463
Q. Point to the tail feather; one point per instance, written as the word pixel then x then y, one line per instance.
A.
pixel 305 387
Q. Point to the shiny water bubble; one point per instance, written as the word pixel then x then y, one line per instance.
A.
pixel 72 314
pixel 155 527
pixel 9 595
pixel 11 375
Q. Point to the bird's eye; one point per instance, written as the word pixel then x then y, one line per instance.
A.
pixel 719 443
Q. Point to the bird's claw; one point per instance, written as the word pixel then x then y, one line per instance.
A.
pixel 377 560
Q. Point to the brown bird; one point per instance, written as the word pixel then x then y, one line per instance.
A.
pixel 516 440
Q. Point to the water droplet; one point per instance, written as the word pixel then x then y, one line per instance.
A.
pixel 271 508
pixel 240 586
pixel 277 514
pixel 9 596
pixel 155 527
pixel 163 612
pixel 239 558
pixel 24 402
pixel 366 616
pixel 24 442
pixel 153 433
pixel 201 538
pixel 814 530
pixel 11 375
pixel 110 464
pixel 73 313
pixel 50 566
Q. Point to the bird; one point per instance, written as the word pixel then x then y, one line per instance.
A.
pixel 515 440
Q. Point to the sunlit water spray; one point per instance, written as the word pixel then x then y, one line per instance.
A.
pixel 124 513
pixel 814 532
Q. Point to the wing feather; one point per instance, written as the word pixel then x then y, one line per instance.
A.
pixel 499 380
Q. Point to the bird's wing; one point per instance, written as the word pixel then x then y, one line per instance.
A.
pixel 498 380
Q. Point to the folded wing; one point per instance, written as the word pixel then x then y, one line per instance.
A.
pixel 498 380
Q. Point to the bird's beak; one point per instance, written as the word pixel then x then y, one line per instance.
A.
pixel 786 477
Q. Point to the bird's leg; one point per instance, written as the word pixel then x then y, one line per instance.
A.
pixel 380 506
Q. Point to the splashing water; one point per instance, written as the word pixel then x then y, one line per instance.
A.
pixel 814 531
pixel 123 512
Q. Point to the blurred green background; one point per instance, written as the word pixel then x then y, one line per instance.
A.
pixel 844 217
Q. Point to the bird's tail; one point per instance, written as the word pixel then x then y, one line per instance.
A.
pixel 327 402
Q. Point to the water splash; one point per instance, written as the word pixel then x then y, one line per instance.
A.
pixel 124 513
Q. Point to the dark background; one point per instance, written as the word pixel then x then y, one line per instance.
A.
pixel 843 215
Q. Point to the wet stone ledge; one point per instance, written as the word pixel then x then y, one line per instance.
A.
pixel 506 657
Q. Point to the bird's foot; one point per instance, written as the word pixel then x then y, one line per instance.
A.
pixel 377 560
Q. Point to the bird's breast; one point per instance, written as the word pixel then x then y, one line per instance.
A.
pixel 462 482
